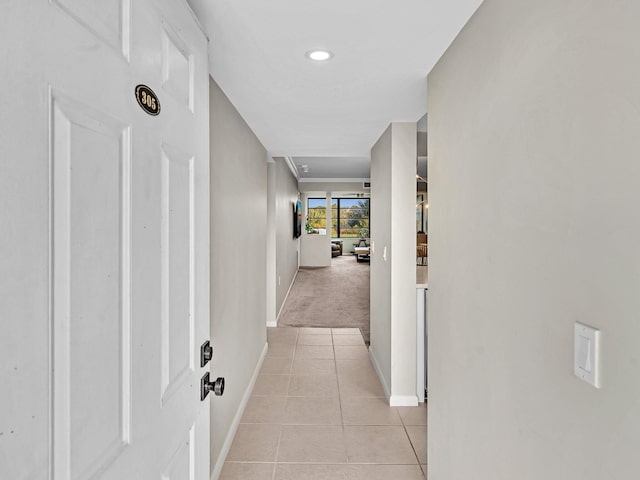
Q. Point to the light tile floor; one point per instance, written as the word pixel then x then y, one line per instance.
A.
pixel 318 412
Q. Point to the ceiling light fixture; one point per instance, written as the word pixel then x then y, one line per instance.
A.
pixel 319 55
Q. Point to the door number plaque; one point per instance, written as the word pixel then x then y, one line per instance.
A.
pixel 148 100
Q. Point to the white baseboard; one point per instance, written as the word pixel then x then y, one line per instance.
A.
pixel 403 401
pixel 394 400
pixel 285 300
pixel 226 446
pixel 376 367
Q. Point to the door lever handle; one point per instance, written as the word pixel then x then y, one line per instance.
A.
pixel 206 386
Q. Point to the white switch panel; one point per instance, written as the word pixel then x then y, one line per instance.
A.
pixel 587 354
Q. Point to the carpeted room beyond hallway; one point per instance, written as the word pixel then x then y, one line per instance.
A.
pixel 336 296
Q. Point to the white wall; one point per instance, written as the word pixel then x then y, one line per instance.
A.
pixel 286 195
pixel 534 180
pixel 238 261
pixel 403 263
pixel 348 244
pixel 315 249
pixel 380 275
pixel 393 303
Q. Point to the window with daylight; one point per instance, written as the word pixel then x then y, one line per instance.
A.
pixel 317 215
pixel 349 217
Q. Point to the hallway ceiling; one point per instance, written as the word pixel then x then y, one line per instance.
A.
pixel 383 51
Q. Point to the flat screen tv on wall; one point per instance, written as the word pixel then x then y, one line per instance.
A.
pixel 297 219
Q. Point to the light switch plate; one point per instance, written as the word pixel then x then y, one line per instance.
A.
pixel 586 354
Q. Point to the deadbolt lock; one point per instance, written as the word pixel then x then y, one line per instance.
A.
pixel 206 386
pixel 206 353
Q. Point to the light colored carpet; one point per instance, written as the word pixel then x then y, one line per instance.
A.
pixel 336 296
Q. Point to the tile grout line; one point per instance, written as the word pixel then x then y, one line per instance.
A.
pixel 411 443
pixel 286 396
pixel 275 465
pixel 295 351
pixel 344 435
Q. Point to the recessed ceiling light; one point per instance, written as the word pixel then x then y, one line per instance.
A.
pixel 319 55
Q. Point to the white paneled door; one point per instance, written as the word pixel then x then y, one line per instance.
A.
pixel 104 262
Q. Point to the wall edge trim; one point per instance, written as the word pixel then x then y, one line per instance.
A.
pixel 376 367
pixel 285 299
pixel 403 401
